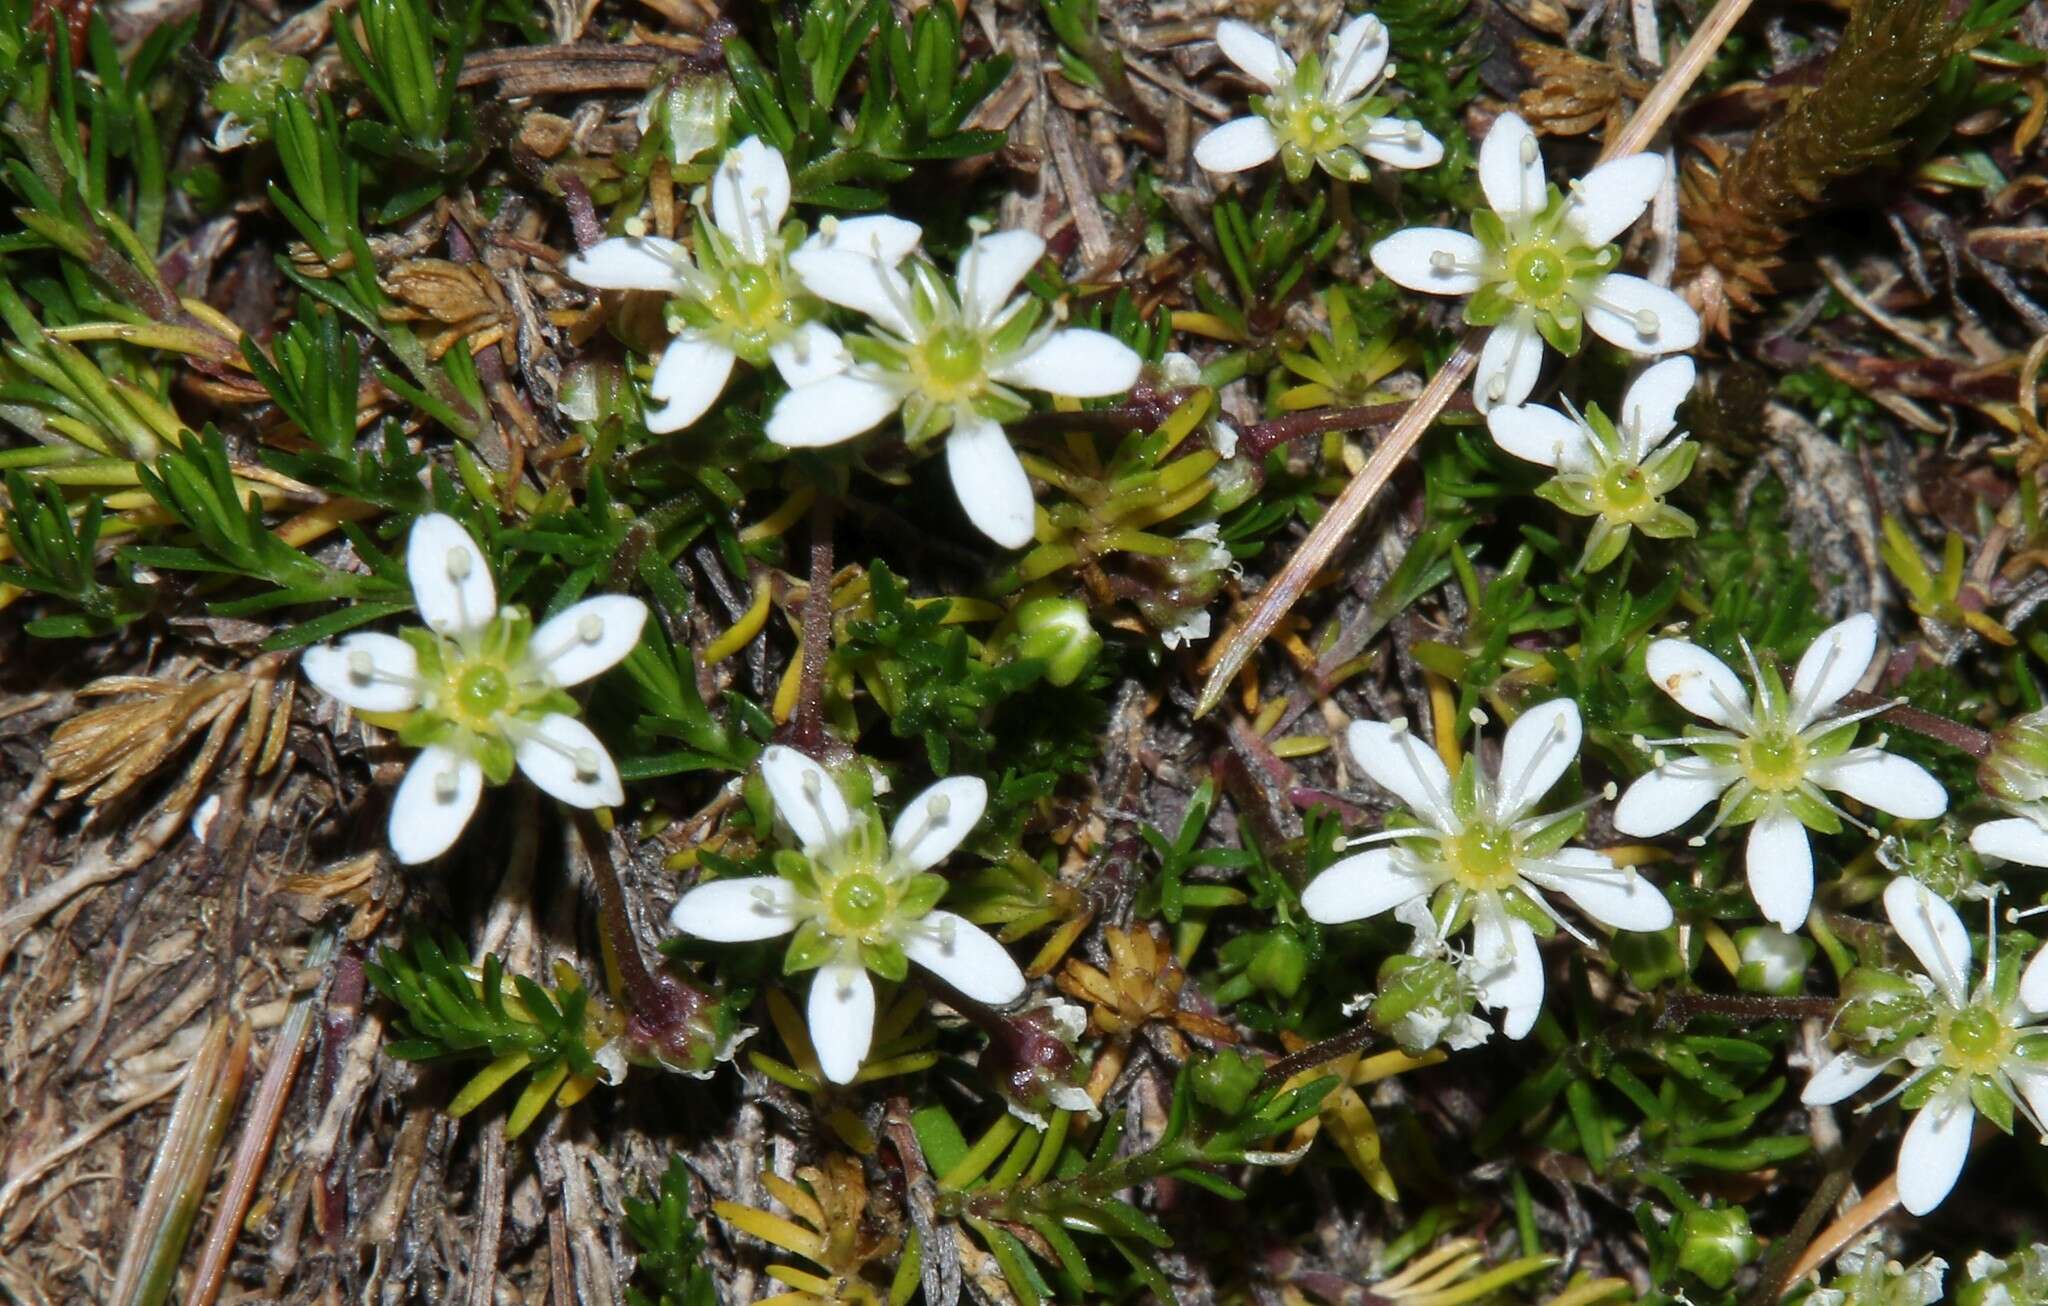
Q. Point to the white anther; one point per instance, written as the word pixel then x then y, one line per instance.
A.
pixel 947 930
pixel 938 808
pixel 446 784
pixel 459 564
pixel 360 667
pixel 812 786
pixel 1398 725
pixel 636 226
pixel 1646 322
pixel 1496 388
pixel 586 764
pixel 1411 131
pixel 1476 716
pixel 1528 150
pixel 1443 260
pixel 1611 792
pixel 762 898
pixel 591 628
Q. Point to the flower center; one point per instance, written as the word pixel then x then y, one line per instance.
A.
pixel 482 690
pixel 1977 1040
pixel 1775 760
pixel 858 901
pixel 952 363
pixel 1623 490
pixel 757 295
pixel 1539 272
pixel 1483 858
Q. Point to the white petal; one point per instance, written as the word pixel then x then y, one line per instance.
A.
pixel 1890 784
pixel 1699 682
pixel 1839 1076
pixel 1668 797
pixel 811 353
pixel 1514 984
pixel 737 911
pixel 1076 362
pixel 2016 839
pixel 1541 435
pixel 965 956
pixel 1630 313
pixel 1238 145
pixel 2033 1086
pixel 1409 258
pixel 566 760
pixel 630 263
pixel 1405 767
pixel 842 1019
pixel 1539 748
pixel 1399 143
pixel 1831 666
pixel 691 374
pixel 433 803
pixel 1931 928
pixel 857 281
pixel 587 639
pixel 1364 885
pixel 806 797
pixel 877 235
pixel 451 583
pixel 831 410
pixel 991 269
pixel 1357 53
pixel 1509 363
pixel 368 671
pixel 1616 896
pixel 1511 169
pixel 1609 199
pixel 994 491
pixel 1257 54
pixel 1649 411
pixel 1932 1153
pixel 932 824
pixel 750 195
pixel 2034 983
pixel 1780 863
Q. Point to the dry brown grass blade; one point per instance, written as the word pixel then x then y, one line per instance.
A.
pixel 1280 594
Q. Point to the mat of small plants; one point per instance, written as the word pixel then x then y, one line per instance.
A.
pixel 669 652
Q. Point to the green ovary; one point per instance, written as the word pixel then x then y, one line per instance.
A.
pixel 858 901
pixel 1976 1041
pixel 1624 493
pixel 1539 273
pixel 482 691
pixel 950 365
pixel 1775 761
pixel 1483 858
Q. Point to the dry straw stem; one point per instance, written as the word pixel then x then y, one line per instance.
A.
pixel 1281 593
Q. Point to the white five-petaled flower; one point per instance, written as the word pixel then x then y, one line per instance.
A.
pixel 1979 1048
pixel 1476 848
pixel 735 298
pixel 1321 111
pixel 480 690
pixel 1771 758
pixel 2015 776
pixel 857 900
pixel 1540 266
pixel 1616 473
pixel 946 355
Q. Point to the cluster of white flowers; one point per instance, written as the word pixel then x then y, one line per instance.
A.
pixel 948 355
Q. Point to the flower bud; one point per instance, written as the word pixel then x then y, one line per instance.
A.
pixel 2015 774
pixel 1225 1079
pixel 253 78
pixel 1772 961
pixel 2018 1280
pixel 1882 1011
pixel 1057 632
pixel 692 109
pixel 1033 1062
pixel 1870 1278
pixel 1938 856
pixel 593 390
pixel 1713 1243
pixel 1424 1001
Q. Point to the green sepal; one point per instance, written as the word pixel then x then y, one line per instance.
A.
pixel 798 869
pixel 920 895
pixel 1604 544
pixel 1927 1087
pixel 886 959
pixel 809 948
pixel 1563 335
pixel 1667 469
pixel 1991 1101
pixel 1489 304
pixel 1575 492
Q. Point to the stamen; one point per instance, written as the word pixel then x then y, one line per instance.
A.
pixel 1442 262
pixel 591 628
pixel 940 806
pixel 1647 324
pixel 360 667
pixel 1407 832
pixel 459 564
pixel 762 898
pixel 586 764
pixel 1529 150
pixel 446 785
pixel 1411 132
